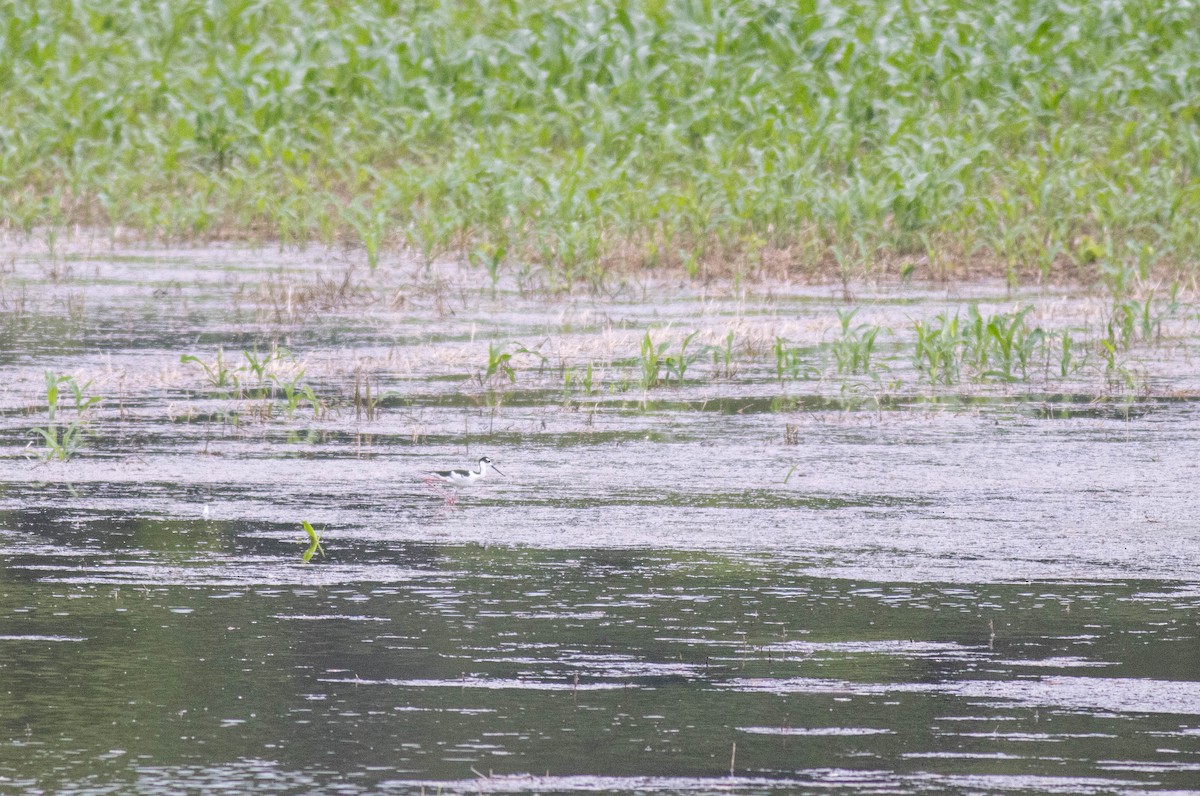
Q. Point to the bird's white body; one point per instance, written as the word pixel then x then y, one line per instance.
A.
pixel 461 478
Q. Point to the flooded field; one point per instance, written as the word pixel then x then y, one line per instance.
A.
pixel 744 540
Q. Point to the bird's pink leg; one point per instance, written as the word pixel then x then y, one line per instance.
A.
pixel 436 485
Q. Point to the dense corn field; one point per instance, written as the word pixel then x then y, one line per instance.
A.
pixel 1031 138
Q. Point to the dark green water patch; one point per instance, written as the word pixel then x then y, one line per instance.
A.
pixel 587 664
pixel 746 499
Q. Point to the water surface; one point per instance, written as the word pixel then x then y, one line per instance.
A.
pixel 737 584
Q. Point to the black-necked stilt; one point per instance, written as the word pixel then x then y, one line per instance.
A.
pixel 461 478
pixel 464 477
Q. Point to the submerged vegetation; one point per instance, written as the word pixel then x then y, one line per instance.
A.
pixel 947 351
pixel 846 137
pixel 844 355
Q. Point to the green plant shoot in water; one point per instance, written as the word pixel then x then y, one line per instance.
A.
pixel 852 350
pixel 61 440
pixel 499 363
pixel 652 355
pixel 1005 342
pixel 314 542
pixel 678 363
pixel 938 352
pixel 296 392
pixel 723 358
pixel 789 362
pixel 218 374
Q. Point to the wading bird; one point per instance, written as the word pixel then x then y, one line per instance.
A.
pixel 460 478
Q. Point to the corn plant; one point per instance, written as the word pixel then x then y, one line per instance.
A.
pixel 582 376
pixel 1003 346
pixel 853 348
pixel 370 225
pixel 80 399
pixel 1131 320
pixel 63 440
pixel 651 359
pixel 723 358
pixel 790 362
pixel 296 392
pixel 218 373
pixel 586 381
pixel 499 364
pixel 587 135
pixel 258 365
pixel 490 256
pixel 314 542
pixel 938 353
pixel 1066 358
pixel 1015 343
pixel 677 364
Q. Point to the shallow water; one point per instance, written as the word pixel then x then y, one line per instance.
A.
pixel 990 588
